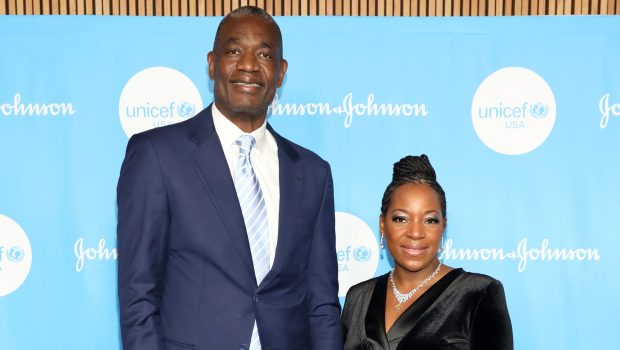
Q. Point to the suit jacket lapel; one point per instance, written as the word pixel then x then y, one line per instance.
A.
pixel 210 163
pixel 290 191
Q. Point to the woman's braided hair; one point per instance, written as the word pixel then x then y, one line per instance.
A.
pixel 414 170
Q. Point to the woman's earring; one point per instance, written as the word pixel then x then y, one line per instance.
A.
pixel 440 249
pixel 381 245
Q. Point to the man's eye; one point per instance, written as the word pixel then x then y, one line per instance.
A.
pixel 266 55
pixel 232 52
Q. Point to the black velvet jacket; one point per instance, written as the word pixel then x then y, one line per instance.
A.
pixel 461 311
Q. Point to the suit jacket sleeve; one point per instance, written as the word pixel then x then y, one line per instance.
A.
pixel 141 234
pixel 491 327
pixel 323 303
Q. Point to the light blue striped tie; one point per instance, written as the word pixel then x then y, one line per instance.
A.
pixel 254 215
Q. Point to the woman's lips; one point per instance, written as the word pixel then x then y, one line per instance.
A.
pixel 413 250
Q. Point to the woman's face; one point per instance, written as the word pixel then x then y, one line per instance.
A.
pixel 413 226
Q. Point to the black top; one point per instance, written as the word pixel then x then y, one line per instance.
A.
pixel 375 318
pixel 463 311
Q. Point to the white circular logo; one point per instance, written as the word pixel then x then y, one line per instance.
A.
pixel 157 96
pixel 356 249
pixel 15 256
pixel 513 111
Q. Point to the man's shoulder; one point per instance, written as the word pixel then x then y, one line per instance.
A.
pixel 173 132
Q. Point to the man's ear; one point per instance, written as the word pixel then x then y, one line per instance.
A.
pixel 211 60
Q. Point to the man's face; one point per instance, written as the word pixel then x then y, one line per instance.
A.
pixel 246 66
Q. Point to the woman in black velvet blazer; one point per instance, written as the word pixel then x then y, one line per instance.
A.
pixel 423 304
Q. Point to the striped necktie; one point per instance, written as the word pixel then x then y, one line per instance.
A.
pixel 254 214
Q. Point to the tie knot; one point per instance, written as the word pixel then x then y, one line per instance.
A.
pixel 245 143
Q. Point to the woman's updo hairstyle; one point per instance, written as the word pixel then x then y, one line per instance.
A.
pixel 414 170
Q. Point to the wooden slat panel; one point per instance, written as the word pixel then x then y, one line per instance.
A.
pixel 415 7
pixel 585 7
pixel 149 9
pixel 27 7
pixel 99 7
pixel 568 7
pixel 193 8
pixel 278 10
pixel 159 8
pixel 124 8
pixel 594 7
pixel 312 9
pixel 106 8
pixel 603 8
pixel 439 8
pixel 184 9
pixel 466 7
pixel 201 9
pixel 525 10
pixel 406 8
pixel 54 7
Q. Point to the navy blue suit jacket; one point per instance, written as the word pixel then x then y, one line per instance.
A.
pixel 185 274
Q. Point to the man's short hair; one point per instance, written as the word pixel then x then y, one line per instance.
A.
pixel 250 11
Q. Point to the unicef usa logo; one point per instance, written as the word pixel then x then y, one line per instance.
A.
pixel 513 111
pixel 356 251
pixel 157 96
pixel 15 256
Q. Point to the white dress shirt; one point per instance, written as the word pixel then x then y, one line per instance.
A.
pixel 264 158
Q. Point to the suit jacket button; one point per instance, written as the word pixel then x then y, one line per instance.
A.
pixel 256 299
pixel 243 347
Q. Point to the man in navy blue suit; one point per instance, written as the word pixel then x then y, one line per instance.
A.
pixel 188 268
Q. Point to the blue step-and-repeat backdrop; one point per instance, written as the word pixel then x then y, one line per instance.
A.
pixel 520 117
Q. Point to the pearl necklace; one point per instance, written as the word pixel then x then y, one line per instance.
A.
pixel 404 297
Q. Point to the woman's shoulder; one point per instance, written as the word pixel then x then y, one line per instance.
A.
pixel 364 287
pixel 479 281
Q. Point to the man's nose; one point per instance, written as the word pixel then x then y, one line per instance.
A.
pixel 248 62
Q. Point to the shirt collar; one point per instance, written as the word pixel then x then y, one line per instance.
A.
pixel 228 132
